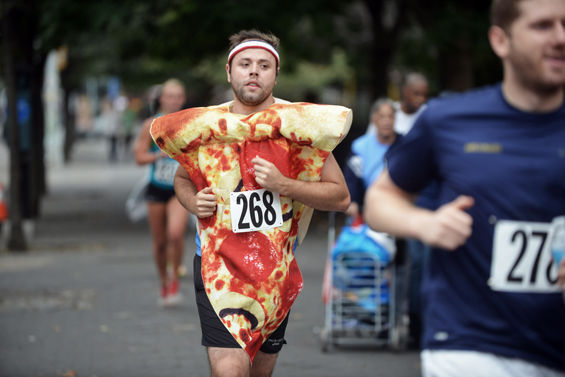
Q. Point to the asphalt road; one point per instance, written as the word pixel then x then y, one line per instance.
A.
pixel 82 302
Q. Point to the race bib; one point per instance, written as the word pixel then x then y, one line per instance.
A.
pixel 521 258
pixel 165 170
pixel 255 210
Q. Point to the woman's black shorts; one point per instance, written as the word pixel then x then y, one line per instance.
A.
pixel 214 333
pixel 157 194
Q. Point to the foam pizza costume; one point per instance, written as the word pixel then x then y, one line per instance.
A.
pixel 248 266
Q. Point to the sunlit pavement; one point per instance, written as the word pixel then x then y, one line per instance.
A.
pixel 82 302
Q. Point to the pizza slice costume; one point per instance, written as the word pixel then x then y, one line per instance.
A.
pixel 251 277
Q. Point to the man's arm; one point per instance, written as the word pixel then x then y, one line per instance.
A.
pixel 142 146
pixel 201 203
pixel 353 174
pixel 390 209
pixel 328 194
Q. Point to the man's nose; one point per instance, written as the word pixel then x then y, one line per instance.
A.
pixel 560 32
pixel 254 69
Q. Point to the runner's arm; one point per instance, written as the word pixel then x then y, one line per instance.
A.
pixel 201 203
pixel 141 149
pixel 328 194
pixel 390 209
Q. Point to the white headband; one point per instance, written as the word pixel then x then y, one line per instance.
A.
pixel 253 44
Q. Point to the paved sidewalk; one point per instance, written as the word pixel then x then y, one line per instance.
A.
pixel 83 301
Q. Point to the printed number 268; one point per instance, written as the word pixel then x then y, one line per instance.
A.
pixel 261 210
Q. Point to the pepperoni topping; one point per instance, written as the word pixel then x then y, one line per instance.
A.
pixel 250 257
pixel 243 335
pixel 223 126
pixel 219 284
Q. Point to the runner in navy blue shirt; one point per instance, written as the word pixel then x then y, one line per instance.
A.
pixel 492 303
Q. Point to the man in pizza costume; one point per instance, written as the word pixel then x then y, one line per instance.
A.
pixel 253 170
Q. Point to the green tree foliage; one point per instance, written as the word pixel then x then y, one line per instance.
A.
pixel 143 40
pixel 447 40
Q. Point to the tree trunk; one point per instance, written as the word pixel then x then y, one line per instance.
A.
pixel 388 18
pixel 69 124
pixel 380 64
pixel 38 185
pixel 16 238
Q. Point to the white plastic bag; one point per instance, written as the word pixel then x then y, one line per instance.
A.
pixel 136 208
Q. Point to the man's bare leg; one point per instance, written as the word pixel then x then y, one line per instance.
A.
pixel 234 362
pixel 229 362
pixel 263 364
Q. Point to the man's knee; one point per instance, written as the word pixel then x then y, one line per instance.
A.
pixel 264 364
pixel 228 362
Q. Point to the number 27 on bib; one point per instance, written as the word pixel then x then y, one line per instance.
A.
pixel 521 259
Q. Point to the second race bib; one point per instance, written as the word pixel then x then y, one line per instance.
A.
pixel 165 170
pixel 521 258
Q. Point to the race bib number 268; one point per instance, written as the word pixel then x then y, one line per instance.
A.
pixel 521 258
pixel 255 210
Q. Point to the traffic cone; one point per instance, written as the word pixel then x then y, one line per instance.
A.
pixel 3 207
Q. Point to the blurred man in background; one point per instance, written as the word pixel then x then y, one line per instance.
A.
pixel 413 96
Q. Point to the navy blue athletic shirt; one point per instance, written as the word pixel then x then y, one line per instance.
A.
pixel 513 164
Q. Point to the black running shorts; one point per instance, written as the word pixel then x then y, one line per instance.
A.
pixel 214 333
pixel 157 194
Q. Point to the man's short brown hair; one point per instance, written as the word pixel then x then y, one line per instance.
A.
pixel 504 12
pixel 254 34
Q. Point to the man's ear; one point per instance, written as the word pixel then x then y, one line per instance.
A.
pixel 499 41
pixel 228 72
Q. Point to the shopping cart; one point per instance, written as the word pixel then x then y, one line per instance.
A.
pixel 362 304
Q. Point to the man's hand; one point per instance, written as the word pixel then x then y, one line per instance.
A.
pixel 353 210
pixel 561 274
pixel 159 154
pixel 268 176
pixel 205 203
pixel 328 194
pixel 449 226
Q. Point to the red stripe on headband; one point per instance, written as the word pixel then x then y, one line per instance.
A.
pixel 253 44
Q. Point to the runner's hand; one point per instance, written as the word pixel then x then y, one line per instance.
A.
pixel 205 203
pixel 159 154
pixel 353 210
pixel 450 225
pixel 268 176
pixel 561 274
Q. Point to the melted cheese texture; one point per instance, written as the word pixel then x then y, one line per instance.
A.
pixel 251 278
